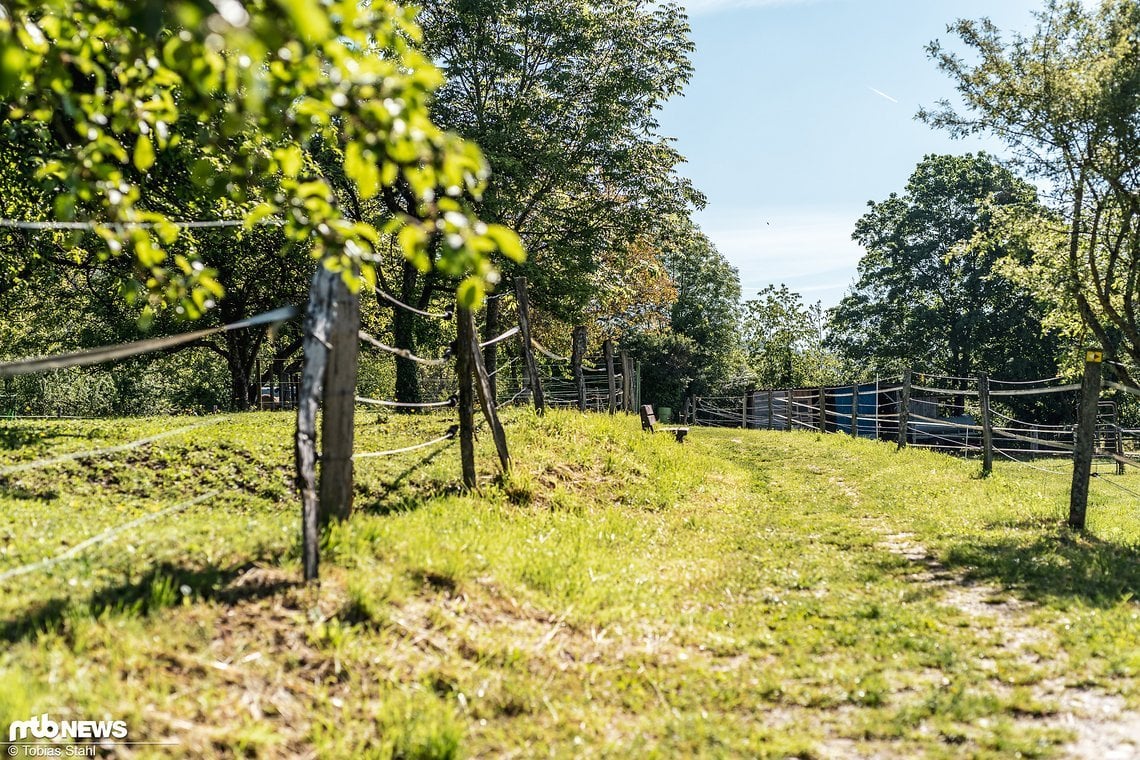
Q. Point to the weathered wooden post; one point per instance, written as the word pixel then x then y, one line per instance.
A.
pixel 904 408
pixel 1118 446
pixel 608 348
pixel 577 356
pixel 987 425
pixel 338 417
pixel 1086 435
pixel 636 384
pixel 771 422
pixel 486 393
pixel 332 321
pixel 854 411
pixel 464 363
pixel 822 410
pixel 527 347
pixel 626 382
pixel 744 410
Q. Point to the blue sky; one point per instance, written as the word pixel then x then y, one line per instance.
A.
pixel 785 132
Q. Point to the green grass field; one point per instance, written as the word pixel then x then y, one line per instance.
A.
pixel 746 594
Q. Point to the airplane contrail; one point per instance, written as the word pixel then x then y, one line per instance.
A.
pixel 880 93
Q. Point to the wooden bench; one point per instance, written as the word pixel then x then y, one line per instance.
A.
pixel 649 419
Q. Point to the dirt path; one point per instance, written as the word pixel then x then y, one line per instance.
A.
pixel 1103 728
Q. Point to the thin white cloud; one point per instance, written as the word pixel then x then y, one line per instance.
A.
pixel 882 94
pixel 810 251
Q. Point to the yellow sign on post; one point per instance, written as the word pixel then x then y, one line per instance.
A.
pixel 1094 357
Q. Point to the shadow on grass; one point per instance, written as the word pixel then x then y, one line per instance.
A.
pixel 163 586
pixel 1052 566
pixel 393 497
pixel 19 437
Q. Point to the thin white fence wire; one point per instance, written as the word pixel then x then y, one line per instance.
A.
pixel 408 404
pixel 91 356
pixel 401 352
pixel 451 433
pixel 89 453
pixel 106 535
pixel 447 314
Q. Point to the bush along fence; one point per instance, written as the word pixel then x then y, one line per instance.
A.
pixel 921 411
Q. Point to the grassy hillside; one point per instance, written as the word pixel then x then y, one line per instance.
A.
pixel 745 594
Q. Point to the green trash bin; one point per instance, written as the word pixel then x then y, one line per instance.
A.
pixel 664 414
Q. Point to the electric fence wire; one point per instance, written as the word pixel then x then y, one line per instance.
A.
pixel 500 338
pixel 445 315
pixel 1027 464
pixel 548 353
pixel 20 224
pixel 451 433
pixel 106 535
pixel 1103 479
pixel 401 352
pixel 1025 382
pixel 87 357
pixel 408 404
pixel 90 453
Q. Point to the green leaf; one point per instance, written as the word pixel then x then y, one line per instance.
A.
pixel 260 212
pixel 360 166
pixel 144 153
pixel 507 242
pixel 469 294
pixel 412 239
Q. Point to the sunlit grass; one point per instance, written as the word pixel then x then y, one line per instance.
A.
pixel 618 594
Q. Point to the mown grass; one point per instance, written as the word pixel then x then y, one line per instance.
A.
pixel 617 595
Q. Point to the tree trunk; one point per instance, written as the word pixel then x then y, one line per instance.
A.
pixel 404 336
pixel 241 354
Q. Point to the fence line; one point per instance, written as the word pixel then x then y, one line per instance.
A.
pixel 445 315
pixel 91 356
pixel 451 432
pixel 106 535
pixel 48 461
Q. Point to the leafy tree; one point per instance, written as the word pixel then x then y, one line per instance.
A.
pixel 106 90
pixel 783 339
pixel 700 351
pixel 562 97
pixel 1063 98
pixel 926 298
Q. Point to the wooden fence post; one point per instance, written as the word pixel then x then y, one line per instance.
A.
pixel 339 414
pixel 771 422
pixel 822 410
pixel 486 393
pixel 577 356
pixel 527 348
pixel 608 348
pixel 854 411
pixel 626 382
pixel 636 384
pixel 1086 435
pixel 904 408
pixel 744 410
pixel 326 295
pixel 1118 445
pixel 464 340
pixel 987 425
